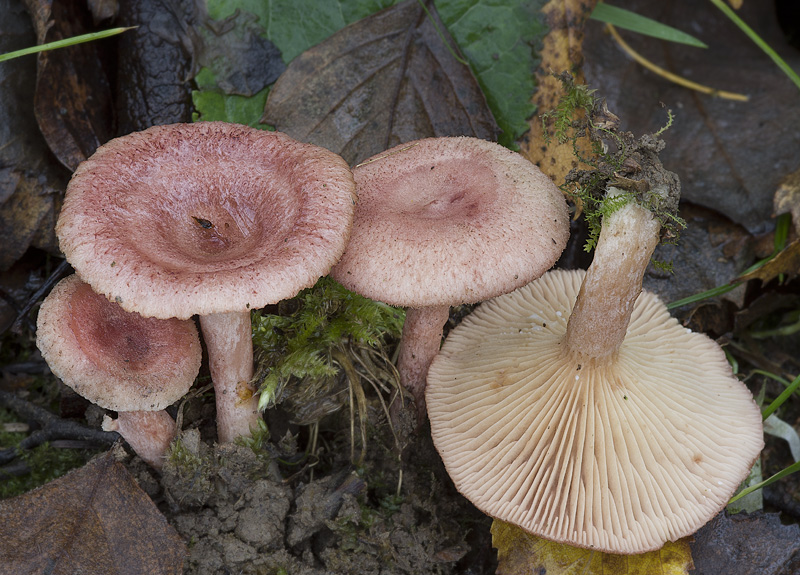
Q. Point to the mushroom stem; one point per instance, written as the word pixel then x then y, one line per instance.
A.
pixel 613 282
pixel 422 337
pixel 230 357
pixel 149 433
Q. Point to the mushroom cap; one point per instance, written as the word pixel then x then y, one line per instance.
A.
pixel 204 218
pixel 618 455
pixel 444 221
pixel 115 359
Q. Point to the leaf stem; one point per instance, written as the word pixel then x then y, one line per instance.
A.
pixel 669 75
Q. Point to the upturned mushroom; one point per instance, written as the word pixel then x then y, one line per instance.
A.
pixel 212 219
pixel 121 361
pixel 447 221
pixel 580 411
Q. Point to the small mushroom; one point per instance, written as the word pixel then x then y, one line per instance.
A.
pixel 120 361
pixel 213 219
pixel 580 411
pixel 447 221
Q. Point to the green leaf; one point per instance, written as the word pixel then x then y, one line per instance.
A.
pixel 497 37
pixel 634 22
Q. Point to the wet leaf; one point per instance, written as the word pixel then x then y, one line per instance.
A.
pixel 520 553
pixel 710 252
pixel 755 544
pixel 499 40
pixel 562 51
pixel 237 53
pixel 73 97
pixel 386 79
pixel 730 156
pixel 27 214
pixel 29 179
pixel 93 520
pixel 786 262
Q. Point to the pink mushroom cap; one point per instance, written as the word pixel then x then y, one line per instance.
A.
pixel 445 221
pixel 115 359
pixel 205 218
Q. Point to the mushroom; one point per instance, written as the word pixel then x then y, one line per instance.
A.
pixel 447 221
pixel 213 219
pixel 580 411
pixel 120 361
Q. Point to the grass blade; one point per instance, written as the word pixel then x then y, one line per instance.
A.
pixel 628 20
pixel 758 41
pixel 64 43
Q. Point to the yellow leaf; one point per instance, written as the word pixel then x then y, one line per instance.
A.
pixel 520 553
pixel 561 51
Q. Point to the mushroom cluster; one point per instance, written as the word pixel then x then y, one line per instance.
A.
pixel 447 221
pixel 210 219
pixel 578 409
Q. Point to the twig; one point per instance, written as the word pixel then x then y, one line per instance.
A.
pixel 48 284
pixel 53 427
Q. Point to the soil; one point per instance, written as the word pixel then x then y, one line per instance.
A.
pixel 276 510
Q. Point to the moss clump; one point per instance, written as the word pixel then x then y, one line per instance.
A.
pixel 617 159
pixel 41 464
pixel 310 338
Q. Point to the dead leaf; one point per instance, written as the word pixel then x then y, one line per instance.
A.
pixel 73 96
pixel 562 51
pixel 730 156
pixel 26 214
pixel 786 262
pixel 520 553
pixel 30 180
pixel 384 80
pixel 787 198
pixel 742 544
pixel 244 62
pixel 710 252
pixel 95 519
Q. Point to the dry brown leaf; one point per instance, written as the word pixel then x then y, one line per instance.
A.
pixel 30 180
pixel 95 519
pixel 787 198
pixel 561 51
pixel 73 96
pixel 384 80
pixel 520 553
pixel 786 262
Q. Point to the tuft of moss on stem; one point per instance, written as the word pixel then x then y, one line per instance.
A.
pixel 620 160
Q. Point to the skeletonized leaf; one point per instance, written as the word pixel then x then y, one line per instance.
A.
pixel 95 519
pixel 384 80
pixel 520 553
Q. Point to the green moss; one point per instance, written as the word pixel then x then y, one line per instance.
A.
pixel 45 461
pixel 303 338
pixel 616 159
